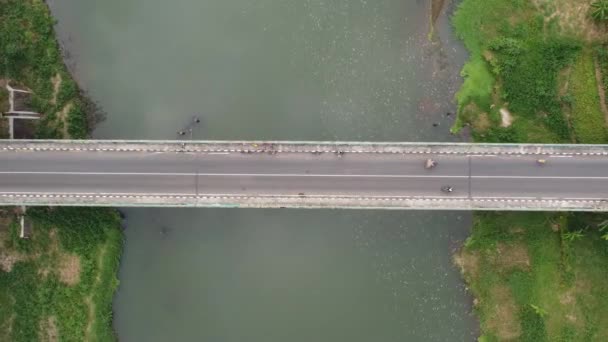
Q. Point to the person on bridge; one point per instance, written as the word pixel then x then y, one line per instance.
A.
pixel 430 163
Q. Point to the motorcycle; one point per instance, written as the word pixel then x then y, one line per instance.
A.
pixel 447 189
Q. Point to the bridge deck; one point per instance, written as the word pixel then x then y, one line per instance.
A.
pixel 257 174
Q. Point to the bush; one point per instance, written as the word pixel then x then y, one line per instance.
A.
pixel 529 70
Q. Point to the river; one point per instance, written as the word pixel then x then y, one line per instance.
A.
pixel 287 70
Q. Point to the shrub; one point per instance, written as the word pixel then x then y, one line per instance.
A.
pixel 599 10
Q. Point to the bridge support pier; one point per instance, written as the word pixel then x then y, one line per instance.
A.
pixel 22 232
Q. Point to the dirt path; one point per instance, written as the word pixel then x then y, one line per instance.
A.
pixel 436 7
pixel 62 116
pixel 600 90
pixel 88 300
pixel 563 90
pixel 56 81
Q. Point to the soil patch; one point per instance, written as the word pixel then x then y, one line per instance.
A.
pixel 62 116
pixel 69 269
pixel 6 327
pixel 6 217
pixel 573 312
pixel 482 123
pixel 468 263
pixel 506 119
pixel 48 330
pixel 503 318
pixel 8 257
pixel 513 256
pixel 436 7
pixel 572 17
pixel 56 81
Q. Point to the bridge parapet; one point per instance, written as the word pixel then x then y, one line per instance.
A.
pixel 305 202
pixel 302 147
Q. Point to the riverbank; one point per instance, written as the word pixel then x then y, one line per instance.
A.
pixel 59 283
pixel 531 77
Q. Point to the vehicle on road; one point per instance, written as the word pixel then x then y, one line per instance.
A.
pixel 541 161
pixel 447 189
pixel 429 164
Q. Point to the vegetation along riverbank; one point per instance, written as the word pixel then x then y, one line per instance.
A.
pixel 538 72
pixel 57 284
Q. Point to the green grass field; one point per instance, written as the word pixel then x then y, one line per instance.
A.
pixel 536 279
pixel 61 281
pixel 59 284
pixel 587 118
pixel 534 276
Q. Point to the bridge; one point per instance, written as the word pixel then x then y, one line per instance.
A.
pixel 267 174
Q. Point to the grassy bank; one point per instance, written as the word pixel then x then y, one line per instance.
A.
pixel 30 58
pixel 588 120
pixel 534 276
pixel 57 285
pixel 538 277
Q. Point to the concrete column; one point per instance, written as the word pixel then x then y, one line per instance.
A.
pixel 22 233
pixel 11 128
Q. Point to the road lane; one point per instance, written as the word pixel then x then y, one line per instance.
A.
pixel 325 163
pixel 97 183
pixel 240 183
pixel 540 188
pixel 527 166
pixel 323 185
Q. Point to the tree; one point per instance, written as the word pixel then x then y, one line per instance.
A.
pixel 599 10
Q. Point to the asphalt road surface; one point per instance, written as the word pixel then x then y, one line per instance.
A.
pixel 303 174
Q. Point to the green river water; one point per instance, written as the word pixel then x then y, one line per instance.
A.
pixel 288 70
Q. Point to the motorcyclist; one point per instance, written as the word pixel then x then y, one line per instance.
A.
pixel 447 188
pixel 429 164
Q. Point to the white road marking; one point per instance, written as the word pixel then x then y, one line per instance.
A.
pixel 494 197
pixel 67 173
pixel 538 177
pixel 26 193
pixel 202 174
